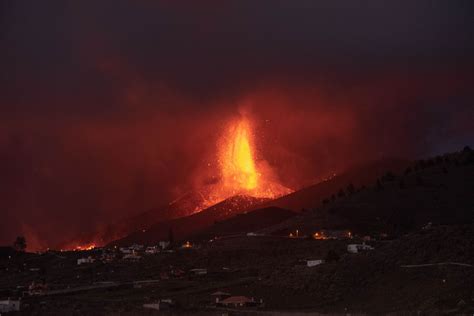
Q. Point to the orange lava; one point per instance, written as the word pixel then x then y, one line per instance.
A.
pixel 81 247
pixel 240 171
pixel 236 159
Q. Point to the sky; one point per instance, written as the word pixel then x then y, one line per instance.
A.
pixel 109 108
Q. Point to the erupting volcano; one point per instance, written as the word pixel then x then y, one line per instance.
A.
pixel 240 171
pixel 241 179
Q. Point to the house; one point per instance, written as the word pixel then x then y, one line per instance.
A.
pixel 219 296
pixel 239 301
pixel 163 244
pixel 85 260
pixel 356 248
pixel 314 262
pixel 136 247
pixel 132 257
pixel 161 305
pixel 37 288
pixel 9 305
pixel 151 250
pixel 177 273
pixel 125 250
pixel 198 271
pixel 427 226
pixel 107 257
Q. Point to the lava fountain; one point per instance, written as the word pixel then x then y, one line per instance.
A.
pixel 241 173
pixel 236 159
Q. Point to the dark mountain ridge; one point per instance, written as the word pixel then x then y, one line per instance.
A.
pixel 184 227
pixel 437 190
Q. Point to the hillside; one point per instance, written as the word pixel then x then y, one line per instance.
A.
pixel 246 222
pixel 379 282
pixel 438 190
pixel 361 175
pixel 184 227
pixel 184 206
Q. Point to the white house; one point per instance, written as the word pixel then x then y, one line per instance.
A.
pixel 163 244
pixel 355 248
pixel 9 305
pixel 152 250
pixel 136 247
pixel 239 301
pixel 85 260
pixel 132 257
pixel 313 263
pixel 198 271
pixel 163 304
pixel 125 250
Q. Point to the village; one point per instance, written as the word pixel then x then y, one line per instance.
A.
pixel 213 275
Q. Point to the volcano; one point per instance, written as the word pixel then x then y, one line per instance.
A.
pixel 242 180
pixel 184 227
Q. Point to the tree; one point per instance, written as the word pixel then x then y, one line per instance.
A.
pixel 20 244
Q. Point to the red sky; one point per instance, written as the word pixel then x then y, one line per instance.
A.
pixel 113 108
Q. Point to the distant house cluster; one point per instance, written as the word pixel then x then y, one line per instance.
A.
pixel 224 299
pixel 356 248
pixel 9 305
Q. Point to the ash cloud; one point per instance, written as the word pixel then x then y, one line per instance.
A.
pixel 112 108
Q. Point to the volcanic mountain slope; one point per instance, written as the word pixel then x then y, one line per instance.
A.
pixel 360 175
pixel 186 205
pixel 246 222
pixel 184 227
pixel 296 201
pixel 438 190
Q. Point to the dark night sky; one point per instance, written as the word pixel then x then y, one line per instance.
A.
pixel 112 107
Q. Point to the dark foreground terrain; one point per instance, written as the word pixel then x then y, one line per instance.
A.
pixel 391 278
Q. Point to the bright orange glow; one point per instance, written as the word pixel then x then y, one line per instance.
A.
pixel 84 247
pixel 237 158
pixel 239 168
